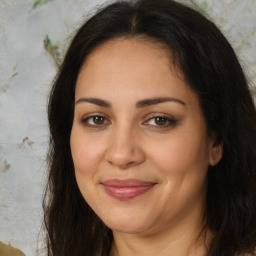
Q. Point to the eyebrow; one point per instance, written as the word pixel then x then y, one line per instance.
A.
pixel 154 101
pixel 139 104
pixel 96 101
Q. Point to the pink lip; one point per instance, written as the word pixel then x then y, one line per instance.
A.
pixel 126 189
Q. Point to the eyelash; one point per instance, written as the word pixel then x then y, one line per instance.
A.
pixel 168 121
pixel 88 118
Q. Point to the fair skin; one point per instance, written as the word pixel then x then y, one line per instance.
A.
pixel 138 124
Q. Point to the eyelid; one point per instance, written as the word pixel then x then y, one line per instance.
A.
pixel 86 117
pixel 92 114
pixel 170 119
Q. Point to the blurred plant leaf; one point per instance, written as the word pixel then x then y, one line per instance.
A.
pixel 40 2
pixel 53 50
pixel 204 5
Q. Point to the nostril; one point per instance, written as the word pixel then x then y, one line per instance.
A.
pixel 124 157
pixel 123 165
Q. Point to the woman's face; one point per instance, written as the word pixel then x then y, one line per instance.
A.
pixel 139 141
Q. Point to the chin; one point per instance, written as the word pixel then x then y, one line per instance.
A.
pixel 127 228
pixel 126 223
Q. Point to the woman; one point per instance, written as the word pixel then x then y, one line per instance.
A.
pixel 153 138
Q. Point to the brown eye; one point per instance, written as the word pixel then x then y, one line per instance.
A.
pixel 98 120
pixel 160 120
pixel 95 121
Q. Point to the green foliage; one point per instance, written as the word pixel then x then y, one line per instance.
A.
pixel 53 50
pixel 204 5
pixel 40 2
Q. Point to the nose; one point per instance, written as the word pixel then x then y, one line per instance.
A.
pixel 124 149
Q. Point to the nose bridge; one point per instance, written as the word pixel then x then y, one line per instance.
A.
pixel 124 149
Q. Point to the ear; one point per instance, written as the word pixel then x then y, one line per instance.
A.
pixel 215 152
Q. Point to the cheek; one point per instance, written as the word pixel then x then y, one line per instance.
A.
pixel 85 156
pixel 181 152
pixel 183 162
pixel 86 152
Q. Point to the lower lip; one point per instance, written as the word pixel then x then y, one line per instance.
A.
pixel 126 193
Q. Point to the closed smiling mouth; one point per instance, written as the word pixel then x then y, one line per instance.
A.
pixel 126 189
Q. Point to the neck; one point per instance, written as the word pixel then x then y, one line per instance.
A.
pixel 161 246
pixel 192 241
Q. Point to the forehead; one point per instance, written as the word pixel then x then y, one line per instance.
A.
pixel 138 44
pixel 133 66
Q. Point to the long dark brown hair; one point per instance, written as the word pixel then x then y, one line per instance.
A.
pixel 212 70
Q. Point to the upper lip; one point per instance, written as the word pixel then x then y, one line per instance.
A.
pixel 127 183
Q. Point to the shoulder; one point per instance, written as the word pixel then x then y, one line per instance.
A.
pixel 8 250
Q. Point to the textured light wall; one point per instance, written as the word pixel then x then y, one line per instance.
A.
pixel 33 35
